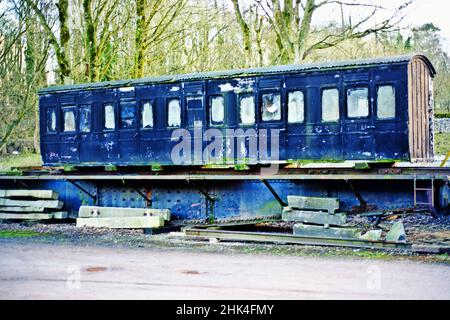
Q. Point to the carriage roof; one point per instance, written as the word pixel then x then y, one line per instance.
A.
pixel 261 71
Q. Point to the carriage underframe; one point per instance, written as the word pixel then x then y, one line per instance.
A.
pixel 202 196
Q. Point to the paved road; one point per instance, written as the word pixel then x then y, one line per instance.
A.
pixel 32 271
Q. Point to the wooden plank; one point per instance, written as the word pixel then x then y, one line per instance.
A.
pixel 22 209
pixel 413 110
pixel 53 204
pixel 122 222
pixel 416 112
pixel 427 115
pixel 288 238
pixel 422 111
pixel 25 216
pixel 40 194
pixel 410 114
pixel 314 203
pixel 430 249
pixel 115 212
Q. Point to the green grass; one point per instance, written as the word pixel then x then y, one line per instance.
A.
pixel 21 160
pixel 17 234
pixel 442 143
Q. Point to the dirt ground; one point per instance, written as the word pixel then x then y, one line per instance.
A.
pixel 68 271
pixel 61 261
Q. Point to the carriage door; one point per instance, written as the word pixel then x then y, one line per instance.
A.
pixel 271 128
pixel 88 143
pixel 357 125
pixel 215 136
pixel 69 136
pixel 194 114
pixel 128 138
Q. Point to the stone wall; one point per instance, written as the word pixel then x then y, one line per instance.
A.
pixel 442 125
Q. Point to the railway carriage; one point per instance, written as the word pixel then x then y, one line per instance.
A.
pixel 372 109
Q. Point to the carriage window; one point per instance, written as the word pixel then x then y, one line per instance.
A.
pixel 271 107
pixel 217 109
pixel 147 115
pixel 174 113
pixel 386 102
pixel 85 118
pixel 358 102
pixel 110 118
pixel 330 105
pixel 296 107
pixel 247 109
pixel 69 119
pixel 128 115
pixel 51 120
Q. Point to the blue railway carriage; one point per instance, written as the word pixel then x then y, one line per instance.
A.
pixel 373 109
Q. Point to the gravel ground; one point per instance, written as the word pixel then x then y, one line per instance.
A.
pixel 420 228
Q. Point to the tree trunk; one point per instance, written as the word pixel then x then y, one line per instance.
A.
pixel 244 29
pixel 140 35
pixel 305 30
pixel 64 36
pixel 90 51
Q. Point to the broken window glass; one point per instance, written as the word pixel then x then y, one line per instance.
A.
pixel 51 120
pixel 247 109
pixel 358 102
pixel 69 119
pixel 110 119
pixel 147 115
pixel 195 111
pixel 85 118
pixel 386 102
pixel 174 113
pixel 330 105
pixel 271 107
pixel 296 107
pixel 217 110
pixel 128 115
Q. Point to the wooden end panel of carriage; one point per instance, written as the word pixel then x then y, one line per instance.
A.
pixel 420 109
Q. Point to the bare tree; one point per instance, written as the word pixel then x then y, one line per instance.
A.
pixel 153 20
pixel 59 42
pixel 291 20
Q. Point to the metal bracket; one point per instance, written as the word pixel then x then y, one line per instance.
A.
pixel 210 200
pixel 362 202
pixel 23 184
pixel 139 192
pixel 274 193
pixel 93 197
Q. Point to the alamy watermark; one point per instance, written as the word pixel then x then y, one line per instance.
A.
pixel 227 146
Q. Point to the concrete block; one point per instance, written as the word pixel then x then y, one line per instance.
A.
pixel 372 235
pixel 337 219
pixel 117 212
pixel 22 209
pixel 122 222
pixel 25 216
pixel 53 204
pixel 60 215
pixel 397 233
pixel 39 194
pixel 301 229
pixel 313 203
